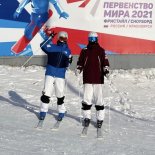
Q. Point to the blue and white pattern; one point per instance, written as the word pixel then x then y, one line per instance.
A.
pixel 11 29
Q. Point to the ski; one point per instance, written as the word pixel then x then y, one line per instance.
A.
pixel 99 133
pixel 40 124
pixel 56 126
pixel 84 132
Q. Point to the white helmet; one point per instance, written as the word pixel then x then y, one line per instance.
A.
pixel 62 36
pixel 92 34
pixel 93 37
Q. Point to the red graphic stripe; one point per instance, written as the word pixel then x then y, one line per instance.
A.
pixel 84 3
pixel 72 1
pixel 127 45
pixel 112 43
pixel 50 12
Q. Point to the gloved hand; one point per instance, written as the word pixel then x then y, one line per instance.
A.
pixel 70 59
pixel 79 77
pixel 64 15
pixel 77 72
pixel 106 72
pixel 16 15
pixel 52 35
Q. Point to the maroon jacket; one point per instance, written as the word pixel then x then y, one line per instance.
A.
pixel 92 61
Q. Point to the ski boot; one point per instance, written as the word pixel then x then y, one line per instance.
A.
pixel 41 120
pixel 60 116
pixel 85 128
pixel 59 119
pixel 99 129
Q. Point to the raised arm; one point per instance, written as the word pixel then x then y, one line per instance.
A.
pixel 20 8
pixel 59 9
pixel 46 44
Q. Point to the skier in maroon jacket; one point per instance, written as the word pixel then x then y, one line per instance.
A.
pixel 95 65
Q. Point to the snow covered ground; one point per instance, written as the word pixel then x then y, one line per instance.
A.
pixel 129 126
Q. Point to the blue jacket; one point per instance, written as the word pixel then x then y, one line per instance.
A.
pixel 58 58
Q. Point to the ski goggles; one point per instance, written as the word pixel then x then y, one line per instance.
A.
pixel 92 39
pixel 62 39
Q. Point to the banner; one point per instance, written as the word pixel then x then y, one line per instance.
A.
pixel 123 26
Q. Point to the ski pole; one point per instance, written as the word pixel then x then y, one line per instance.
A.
pixel 36 50
pixel 123 99
pixel 80 107
pixel 50 37
pixel 80 100
pixel 109 119
pixel 79 96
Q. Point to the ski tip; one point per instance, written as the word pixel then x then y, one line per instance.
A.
pixel 99 136
pixel 20 45
pixel 83 135
pixel 56 126
pixel 15 50
pixel 38 128
pixel 54 129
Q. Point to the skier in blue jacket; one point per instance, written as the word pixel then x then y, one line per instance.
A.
pixel 59 58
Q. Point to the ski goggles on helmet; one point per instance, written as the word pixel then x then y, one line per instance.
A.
pixel 92 39
pixel 63 39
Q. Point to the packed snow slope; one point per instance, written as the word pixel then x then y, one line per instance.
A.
pixel 128 129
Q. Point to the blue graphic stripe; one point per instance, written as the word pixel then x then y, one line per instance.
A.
pixel 82 46
pixel 110 52
pixel 5 49
pixel 12 24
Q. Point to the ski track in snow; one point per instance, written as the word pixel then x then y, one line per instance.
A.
pixel 128 129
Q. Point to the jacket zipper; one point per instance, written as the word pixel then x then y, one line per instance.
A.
pixel 85 61
pixel 99 63
pixel 60 57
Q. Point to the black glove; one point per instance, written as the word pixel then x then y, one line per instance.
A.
pixel 106 72
pixel 70 59
pixel 52 35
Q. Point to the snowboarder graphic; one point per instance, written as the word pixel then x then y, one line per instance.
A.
pixel 59 58
pixel 94 64
pixel 39 16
